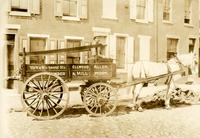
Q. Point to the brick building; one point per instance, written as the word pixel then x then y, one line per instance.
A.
pixel 132 29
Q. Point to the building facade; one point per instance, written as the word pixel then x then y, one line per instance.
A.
pixel 133 30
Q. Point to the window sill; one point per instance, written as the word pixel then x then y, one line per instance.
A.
pixel 70 18
pixel 188 25
pixel 16 13
pixel 141 21
pixel 109 18
pixel 168 22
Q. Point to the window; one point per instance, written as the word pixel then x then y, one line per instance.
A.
pixel 24 7
pixel 73 58
pixel 191 45
pixel 171 47
pixel 37 44
pixel 19 5
pixel 187 16
pixel 71 9
pixel 109 9
pixel 142 10
pixel 120 52
pixel 166 10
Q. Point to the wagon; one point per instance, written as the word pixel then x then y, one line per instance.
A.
pixel 45 93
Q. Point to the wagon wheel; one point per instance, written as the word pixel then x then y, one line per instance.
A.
pixel 45 96
pixel 100 99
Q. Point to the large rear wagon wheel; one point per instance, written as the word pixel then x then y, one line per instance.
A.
pixel 45 96
pixel 100 99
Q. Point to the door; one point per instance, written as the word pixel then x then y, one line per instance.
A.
pixel 10 59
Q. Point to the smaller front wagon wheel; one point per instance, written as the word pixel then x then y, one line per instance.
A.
pixel 100 99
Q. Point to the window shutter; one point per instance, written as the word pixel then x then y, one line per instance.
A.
pixel 130 58
pixel 52 44
pixel 58 8
pixel 35 6
pixel 61 56
pixel 150 10
pixel 109 9
pixel 145 48
pixel 24 43
pixel 9 3
pixel 130 50
pixel 112 47
pixel 133 9
pixel 83 9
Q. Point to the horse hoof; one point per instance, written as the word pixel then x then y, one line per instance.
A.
pixel 167 107
pixel 140 109
pixel 133 108
pixel 130 106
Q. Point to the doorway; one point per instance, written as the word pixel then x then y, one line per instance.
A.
pixel 10 59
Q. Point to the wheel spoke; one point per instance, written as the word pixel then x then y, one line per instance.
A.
pixel 92 107
pixel 37 106
pixel 54 109
pixel 42 108
pixel 26 92
pixel 55 103
pixel 34 88
pixel 96 110
pixel 54 81
pixel 32 103
pixel 55 97
pixel 42 82
pixel 47 106
pixel 55 88
pixel 33 83
pixel 91 93
pixel 48 81
pixel 31 96
pixel 40 87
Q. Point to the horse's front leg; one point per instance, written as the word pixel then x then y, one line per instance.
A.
pixel 168 94
pixel 136 93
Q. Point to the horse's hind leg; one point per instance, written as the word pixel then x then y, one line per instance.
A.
pixel 136 94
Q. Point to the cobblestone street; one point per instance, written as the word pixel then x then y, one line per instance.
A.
pixel 179 122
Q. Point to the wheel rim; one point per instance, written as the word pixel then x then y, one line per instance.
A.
pixel 45 96
pixel 100 99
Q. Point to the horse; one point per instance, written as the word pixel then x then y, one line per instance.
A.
pixel 148 69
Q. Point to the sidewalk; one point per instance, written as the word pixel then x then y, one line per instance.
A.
pixel 10 99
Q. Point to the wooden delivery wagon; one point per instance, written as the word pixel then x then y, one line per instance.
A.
pixel 45 93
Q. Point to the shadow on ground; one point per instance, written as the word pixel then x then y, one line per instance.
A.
pixel 121 109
